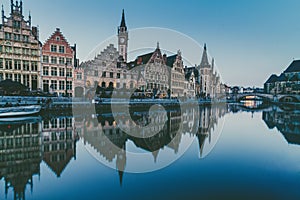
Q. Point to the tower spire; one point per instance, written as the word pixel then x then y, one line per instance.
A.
pixel 123 23
pixel 21 7
pixel 204 61
pixel 12 6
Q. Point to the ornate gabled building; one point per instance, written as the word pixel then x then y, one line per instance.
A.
pixel 157 73
pixel 209 81
pixel 20 49
pixel 58 65
pixel 106 70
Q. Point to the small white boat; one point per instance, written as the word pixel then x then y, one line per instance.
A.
pixel 19 111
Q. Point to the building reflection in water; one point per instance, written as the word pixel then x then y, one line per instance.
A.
pixel 25 142
pixel 58 143
pixel 286 121
pixel 20 149
pixel 106 137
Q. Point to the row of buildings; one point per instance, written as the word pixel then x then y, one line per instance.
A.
pixel 53 66
pixel 23 58
pixel 153 73
pixel 287 82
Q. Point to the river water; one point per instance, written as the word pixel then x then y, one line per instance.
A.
pixel 208 152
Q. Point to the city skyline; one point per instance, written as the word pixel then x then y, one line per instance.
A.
pixel 243 37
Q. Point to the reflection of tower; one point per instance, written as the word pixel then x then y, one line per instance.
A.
pixel 20 153
pixel 110 142
pixel 123 38
pixel 59 143
pixel 201 140
pixel 121 162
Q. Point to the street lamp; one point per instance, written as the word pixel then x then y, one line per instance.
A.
pixel 66 92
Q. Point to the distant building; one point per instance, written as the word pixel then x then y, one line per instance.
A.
pixel 209 81
pixel 58 64
pixel 20 49
pixel 287 83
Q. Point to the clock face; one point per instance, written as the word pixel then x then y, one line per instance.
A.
pixel 122 40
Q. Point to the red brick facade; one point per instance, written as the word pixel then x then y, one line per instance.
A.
pixel 56 54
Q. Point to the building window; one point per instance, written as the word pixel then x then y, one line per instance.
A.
pixel 17 77
pixel 46 71
pixel 25 38
pixel 26 51
pixel 104 74
pixel 53 60
pixel 25 65
pixel 69 85
pixel 53 71
pixel 16 24
pixel 8 64
pixel 17 37
pixel 118 75
pixel 53 48
pixel 34 66
pixel 61 72
pixel 17 64
pixel 79 76
pixel 17 50
pixel 69 73
pixel 8 76
pixel 111 74
pixel 26 80
pixel 57 38
pixel 46 85
pixel 34 52
pixel 118 85
pixel 8 49
pixel 45 59
pixel 53 84
pixel 61 60
pixel 1 63
pixel 61 49
pixel 7 36
pixel 95 72
pixel 61 85
pixel 69 61
pixel 1 76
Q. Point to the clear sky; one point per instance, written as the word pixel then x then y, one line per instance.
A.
pixel 249 40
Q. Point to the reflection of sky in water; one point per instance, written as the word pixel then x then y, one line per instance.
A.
pixel 249 161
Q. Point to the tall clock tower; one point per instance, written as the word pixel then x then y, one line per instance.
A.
pixel 123 38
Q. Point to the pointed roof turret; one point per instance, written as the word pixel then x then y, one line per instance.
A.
pixel 204 61
pixel 123 23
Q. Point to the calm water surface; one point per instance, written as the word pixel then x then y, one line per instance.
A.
pixel 234 152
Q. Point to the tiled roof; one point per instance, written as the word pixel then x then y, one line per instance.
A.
pixel 282 78
pixel 171 60
pixel 294 67
pixel 273 78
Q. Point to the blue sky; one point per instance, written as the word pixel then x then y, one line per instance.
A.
pixel 249 40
